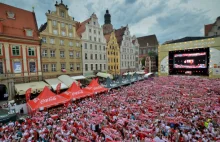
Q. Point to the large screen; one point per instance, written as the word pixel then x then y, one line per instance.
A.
pixel 190 60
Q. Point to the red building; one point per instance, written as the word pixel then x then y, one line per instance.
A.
pixel 19 47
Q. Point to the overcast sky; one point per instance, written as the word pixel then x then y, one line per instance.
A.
pixel 167 19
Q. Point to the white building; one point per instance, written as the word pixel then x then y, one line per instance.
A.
pixel 127 50
pixel 93 46
pixel 136 48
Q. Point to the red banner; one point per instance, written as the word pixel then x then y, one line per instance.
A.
pixel 58 88
pixel 28 94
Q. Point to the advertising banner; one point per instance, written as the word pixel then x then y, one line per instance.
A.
pixel 17 67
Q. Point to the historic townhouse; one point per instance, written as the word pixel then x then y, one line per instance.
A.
pixel 113 54
pixel 61 46
pixel 127 50
pixel 19 47
pixel 136 49
pixel 93 46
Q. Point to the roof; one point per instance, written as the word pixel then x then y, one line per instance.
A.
pixel 185 39
pixel 15 27
pixel 107 37
pixel 43 27
pixel 150 39
pixel 81 27
pixel 208 28
pixel 119 34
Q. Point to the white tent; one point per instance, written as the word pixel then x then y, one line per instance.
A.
pixel 147 75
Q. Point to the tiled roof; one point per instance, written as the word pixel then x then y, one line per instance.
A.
pixel 81 27
pixel 23 19
pixel 119 34
pixel 208 29
pixel 150 39
pixel 107 37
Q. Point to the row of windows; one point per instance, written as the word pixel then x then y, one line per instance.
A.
pixel 16 50
pixel 62 53
pixel 52 41
pixel 112 60
pixel 112 53
pixel 94 39
pixel 145 51
pixel 127 57
pixel 95 47
pixel 94 67
pixel 62 25
pixel 96 56
pixel 127 50
pixel 126 64
pixel 112 67
pixel 90 30
pixel 53 67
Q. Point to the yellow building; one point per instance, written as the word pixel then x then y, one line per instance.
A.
pixel 113 54
pixel 61 46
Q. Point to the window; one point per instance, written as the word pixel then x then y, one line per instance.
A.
pixel 44 53
pixel 55 32
pixel 122 64
pixel 108 67
pixel 52 53
pixel 86 67
pixel 86 56
pixel 90 30
pixel 63 66
pixel 90 46
pixel 52 41
pixel 104 57
pixel 15 50
pixel 96 66
pixel 104 67
pixel 63 33
pixel 99 40
pixel 94 31
pixel 78 67
pixel 94 38
pixel 94 23
pixel 95 47
pixel 62 25
pixel 71 66
pixel 100 56
pixel 61 42
pixel 54 23
pixel 62 14
pixel 32 66
pixel 70 27
pixel 1 68
pixel 45 67
pixel 77 44
pixel 85 45
pixel 104 48
pixel 100 48
pixel 70 35
pixel 53 67
pixel 62 54
pixel 0 49
pixel 91 67
pixel 44 40
pixel 29 32
pixel 70 43
pixel 99 32
pixel 96 57
pixel 90 38
pixel 31 51
pixel 71 54
pixel 100 66
pixel 91 56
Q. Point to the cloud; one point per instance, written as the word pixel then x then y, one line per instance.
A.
pixel 168 19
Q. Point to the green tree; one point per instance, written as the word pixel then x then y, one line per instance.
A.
pixel 143 61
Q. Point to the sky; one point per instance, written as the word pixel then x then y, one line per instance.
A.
pixel 167 19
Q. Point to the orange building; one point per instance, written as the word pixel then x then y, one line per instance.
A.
pixel 19 47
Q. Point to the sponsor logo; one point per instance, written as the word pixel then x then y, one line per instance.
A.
pixel 47 100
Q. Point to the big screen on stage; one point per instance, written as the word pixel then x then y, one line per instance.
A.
pixel 190 60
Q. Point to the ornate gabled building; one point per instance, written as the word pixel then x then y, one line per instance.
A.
pixel 213 29
pixel 93 46
pixel 61 49
pixel 113 54
pixel 19 47
pixel 127 50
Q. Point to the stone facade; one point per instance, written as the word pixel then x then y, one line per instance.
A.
pixel 93 46
pixel 61 50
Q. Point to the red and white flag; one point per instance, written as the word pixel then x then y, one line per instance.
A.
pixel 28 94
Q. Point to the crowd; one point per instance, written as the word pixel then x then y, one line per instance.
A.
pixel 165 109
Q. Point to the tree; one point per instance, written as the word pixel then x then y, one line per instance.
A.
pixel 143 61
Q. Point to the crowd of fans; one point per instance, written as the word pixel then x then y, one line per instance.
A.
pixel 166 109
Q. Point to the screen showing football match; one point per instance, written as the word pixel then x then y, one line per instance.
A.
pixel 190 60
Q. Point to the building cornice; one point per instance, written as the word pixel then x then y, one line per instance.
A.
pixel 19 40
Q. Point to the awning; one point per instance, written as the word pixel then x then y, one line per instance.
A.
pixel 140 72
pixel 36 87
pixel 147 75
pixel 90 76
pixel 104 75
pixel 67 80
pixel 78 77
pixel 53 82
pixel 130 73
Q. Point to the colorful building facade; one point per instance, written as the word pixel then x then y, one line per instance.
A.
pixel 61 49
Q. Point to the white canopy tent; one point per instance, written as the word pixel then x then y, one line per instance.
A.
pixel 104 75
pixel 67 80
pixel 130 73
pixel 80 77
pixel 147 75
pixel 53 82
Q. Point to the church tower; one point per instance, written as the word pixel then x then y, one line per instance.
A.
pixel 107 27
